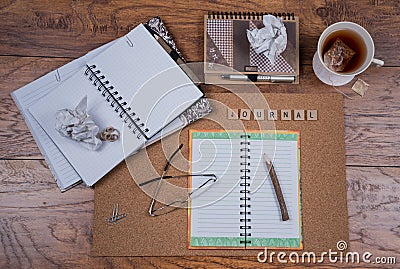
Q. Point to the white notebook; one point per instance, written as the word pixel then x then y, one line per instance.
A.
pixel 135 66
pixel 241 210
pixel 28 95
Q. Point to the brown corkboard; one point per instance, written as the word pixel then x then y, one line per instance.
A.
pixel 323 175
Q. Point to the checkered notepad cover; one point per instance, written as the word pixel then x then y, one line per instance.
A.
pixel 220 32
pixel 264 64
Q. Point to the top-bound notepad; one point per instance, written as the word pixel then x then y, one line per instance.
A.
pixel 228 50
pixel 133 86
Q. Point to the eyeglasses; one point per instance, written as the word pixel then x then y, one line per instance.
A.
pixel 167 208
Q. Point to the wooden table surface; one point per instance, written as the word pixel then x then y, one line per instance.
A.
pixel 42 228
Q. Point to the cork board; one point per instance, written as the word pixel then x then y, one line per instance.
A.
pixel 324 200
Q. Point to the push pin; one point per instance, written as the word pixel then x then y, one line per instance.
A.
pixel 115 218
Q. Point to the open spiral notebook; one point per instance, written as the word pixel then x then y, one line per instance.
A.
pixel 128 87
pixel 241 209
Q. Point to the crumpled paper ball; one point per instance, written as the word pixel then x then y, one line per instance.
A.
pixel 77 125
pixel 270 40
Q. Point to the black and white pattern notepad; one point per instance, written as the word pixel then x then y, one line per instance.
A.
pixel 226 46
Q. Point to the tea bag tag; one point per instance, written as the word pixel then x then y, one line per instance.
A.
pixel 360 87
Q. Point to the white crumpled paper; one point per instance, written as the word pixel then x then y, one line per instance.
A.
pixel 270 40
pixel 77 125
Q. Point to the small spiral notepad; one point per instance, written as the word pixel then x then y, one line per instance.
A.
pixel 226 46
pixel 129 87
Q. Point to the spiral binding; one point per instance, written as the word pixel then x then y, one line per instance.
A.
pixel 245 206
pixel 247 15
pixel 116 101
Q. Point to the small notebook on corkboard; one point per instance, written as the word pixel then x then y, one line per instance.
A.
pixel 240 209
pixel 226 47
pixel 323 184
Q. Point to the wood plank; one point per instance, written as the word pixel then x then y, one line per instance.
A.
pixel 40 227
pixel 374 207
pixel 371 122
pixel 71 28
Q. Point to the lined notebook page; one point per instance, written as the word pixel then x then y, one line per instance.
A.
pixel 138 61
pixel 214 218
pixel 267 227
pixel 28 95
pixel 90 165
pixel 63 171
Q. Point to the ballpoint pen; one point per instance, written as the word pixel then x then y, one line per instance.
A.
pixel 259 78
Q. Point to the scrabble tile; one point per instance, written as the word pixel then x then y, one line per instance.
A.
pixel 272 114
pixel 299 115
pixel 245 114
pixel 286 114
pixel 312 114
pixel 232 114
pixel 258 114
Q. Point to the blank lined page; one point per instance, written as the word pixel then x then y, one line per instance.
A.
pixel 25 97
pixel 214 214
pixel 147 78
pixel 64 173
pixel 267 227
pixel 90 165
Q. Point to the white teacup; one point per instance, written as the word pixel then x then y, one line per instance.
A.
pixel 330 77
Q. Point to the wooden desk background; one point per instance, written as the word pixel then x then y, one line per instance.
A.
pixel 40 227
